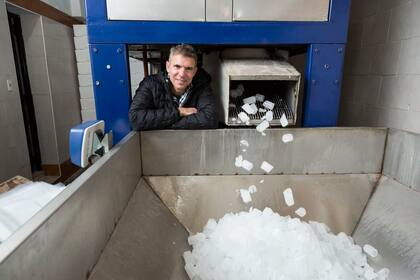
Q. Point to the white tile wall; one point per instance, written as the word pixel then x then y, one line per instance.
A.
pixel 88 114
pixel 82 55
pixel 81 43
pixel 355 34
pixel 12 141
pixel 363 9
pixel 84 72
pixel 375 29
pixel 401 22
pixel 84 67
pixel 85 80
pixel 381 84
pixel 395 92
pixel 79 30
pixel 86 91
pixel 87 103
pixel 385 61
pixel 414 99
pixel 409 62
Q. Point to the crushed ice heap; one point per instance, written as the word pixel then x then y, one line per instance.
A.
pixel 264 245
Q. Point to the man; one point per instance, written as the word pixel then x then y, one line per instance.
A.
pixel 180 98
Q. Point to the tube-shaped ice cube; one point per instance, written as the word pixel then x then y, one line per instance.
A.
pixel 244 143
pixel 263 126
pixel 287 138
pixel 254 108
pixel 370 250
pixel 249 109
pixel 283 120
pixel 266 167
pixel 247 165
pixel 245 195
pixel 252 189
pixel 269 116
pixel 238 161
pixel 288 197
pixel 244 117
pixel 268 105
pixel 301 212
pixel 260 97
pixel 249 100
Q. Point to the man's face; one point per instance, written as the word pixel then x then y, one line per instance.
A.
pixel 181 70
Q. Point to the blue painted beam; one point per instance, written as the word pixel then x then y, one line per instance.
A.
pixel 323 77
pixel 111 85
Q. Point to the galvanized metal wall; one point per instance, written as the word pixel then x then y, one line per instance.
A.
pixel 391 224
pixel 64 240
pixel 313 151
pixel 391 220
pixel 402 158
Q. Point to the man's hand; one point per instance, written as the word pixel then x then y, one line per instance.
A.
pixel 187 111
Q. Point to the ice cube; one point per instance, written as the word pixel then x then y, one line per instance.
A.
pixel 261 181
pixel 370 274
pixel 243 117
pixel 231 105
pixel 254 109
pixel 301 212
pixel 260 97
pixel 262 110
pixel 188 257
pixel 249 100
pixel 263 126
pixel 266 167
pixel 248 109
pixel 247 165
pixel 246 196
pixel 268 105
pixel 283 120
pixel 370 250
pixel 197 238
pixel 288 197
pixel 244 143
pixel 252 189
pixel 238 161
pixel 244 150
pixel 287 138
pixel 383 273
pixel 269 116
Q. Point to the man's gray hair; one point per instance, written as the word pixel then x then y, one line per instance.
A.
pixel 184 50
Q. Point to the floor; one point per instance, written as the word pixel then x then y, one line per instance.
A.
pixel 40 176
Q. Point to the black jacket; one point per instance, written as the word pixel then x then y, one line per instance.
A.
pixel 153 106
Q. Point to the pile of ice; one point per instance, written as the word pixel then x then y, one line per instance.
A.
pixel 18 205
pixel 262 245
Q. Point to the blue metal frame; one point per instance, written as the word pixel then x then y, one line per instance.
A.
pixel 323 84
pixel 111 82
pixel 320 108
